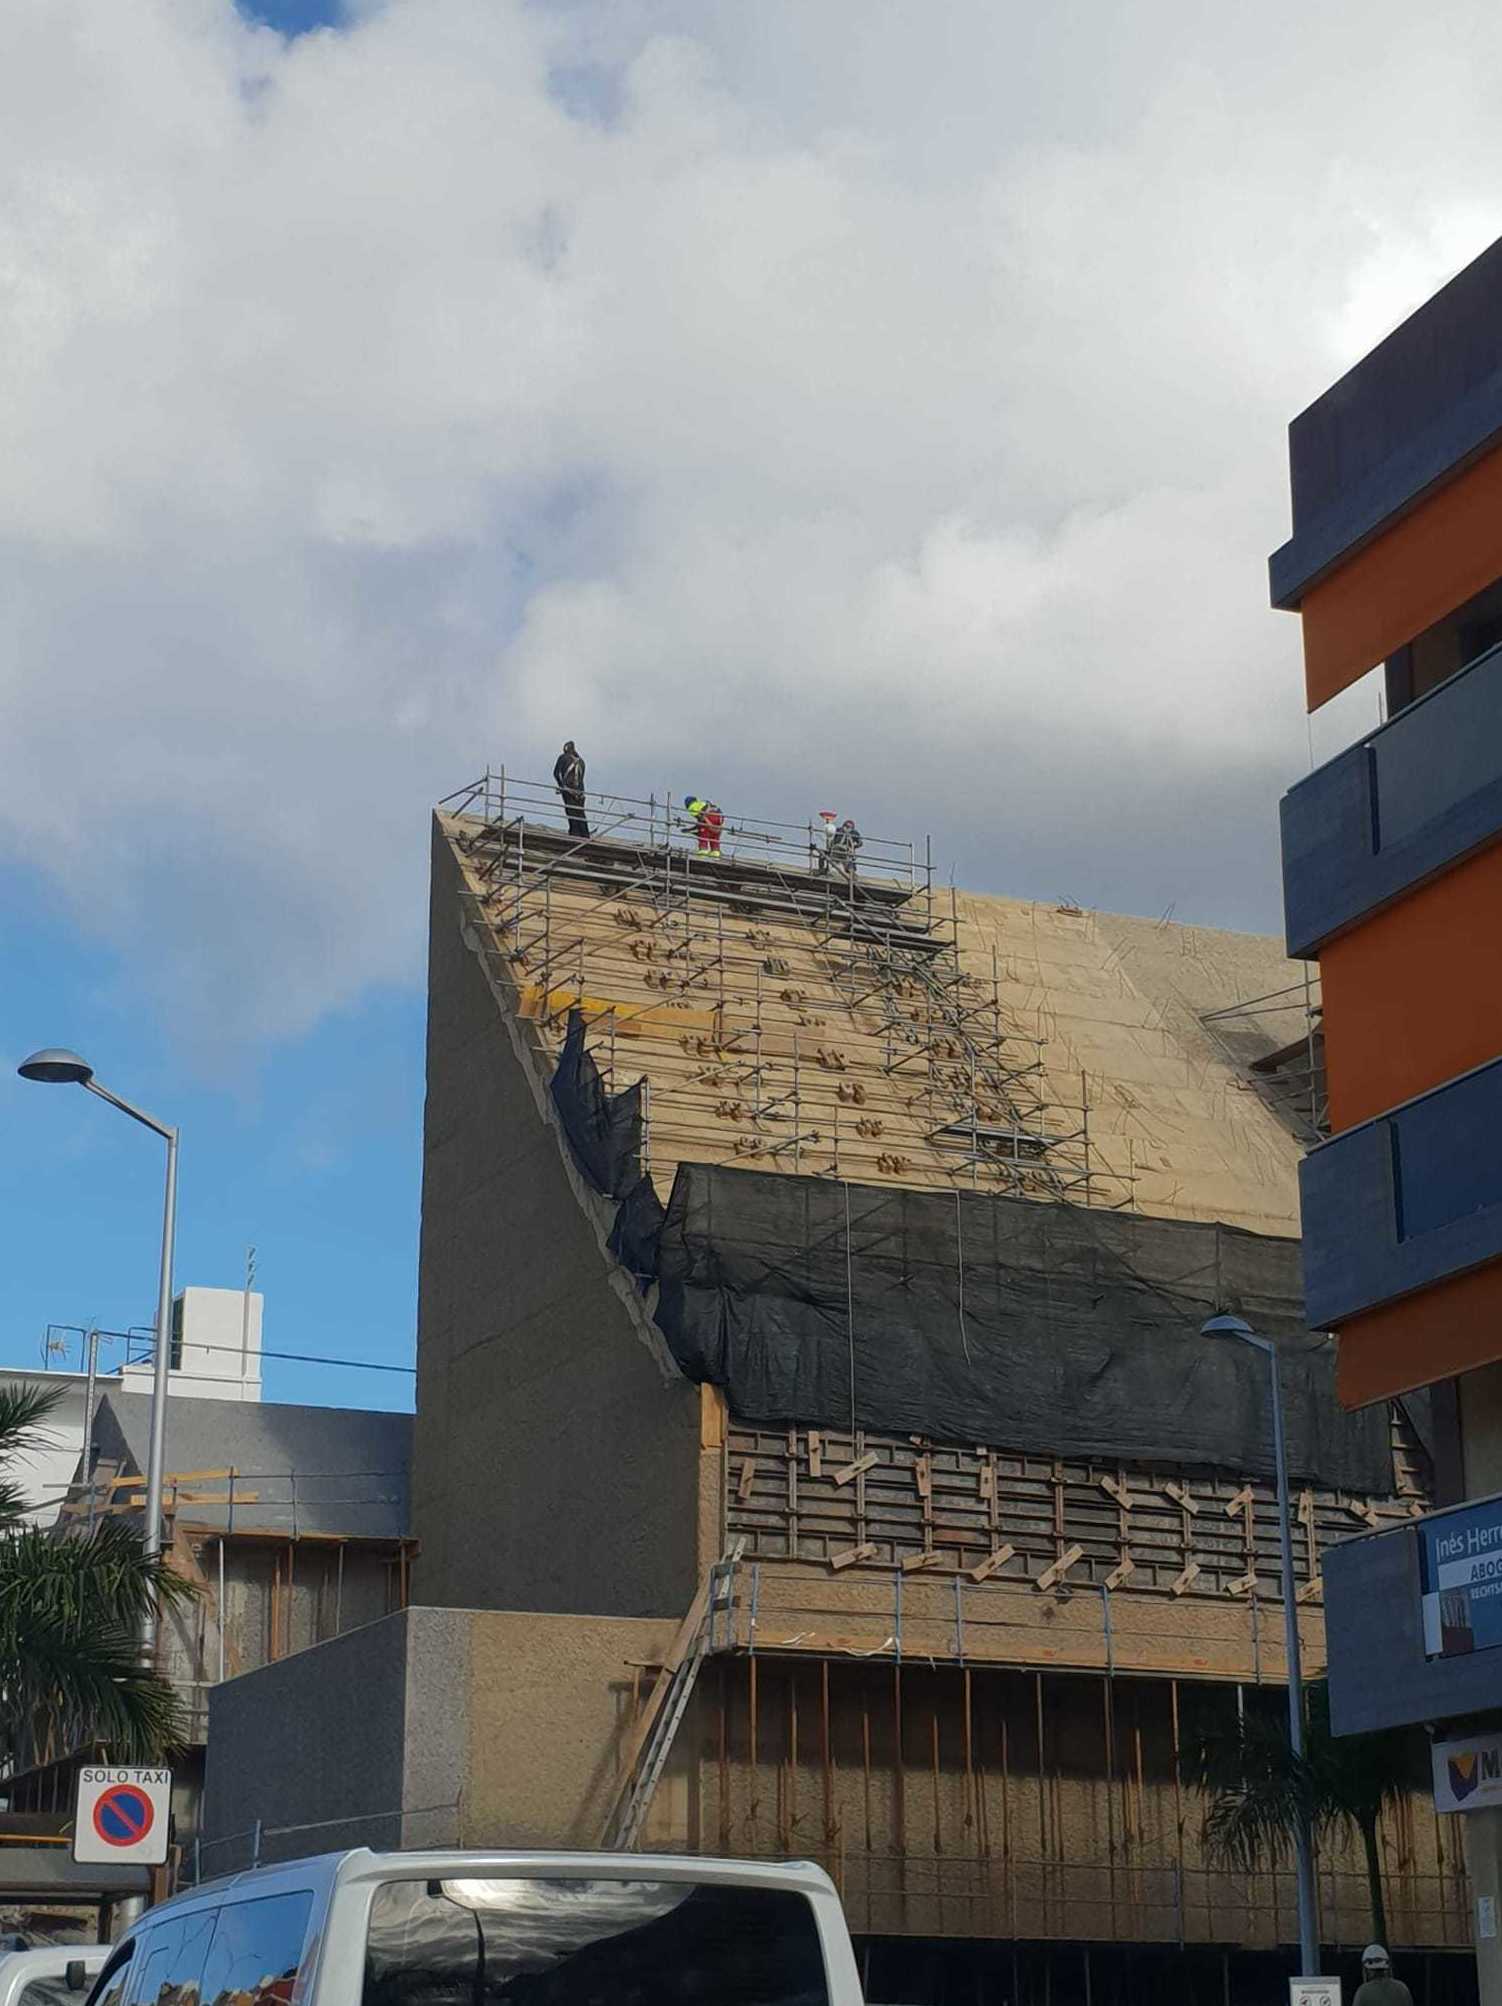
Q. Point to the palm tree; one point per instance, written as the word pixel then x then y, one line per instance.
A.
pixel 1257 1790
pixel 71 1614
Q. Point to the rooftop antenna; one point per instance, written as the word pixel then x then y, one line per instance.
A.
pixel 250 1278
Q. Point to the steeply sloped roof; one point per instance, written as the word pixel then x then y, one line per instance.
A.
pixel 762 1049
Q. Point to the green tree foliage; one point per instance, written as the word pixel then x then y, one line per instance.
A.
pixel 72 1607
pixel 1256 1790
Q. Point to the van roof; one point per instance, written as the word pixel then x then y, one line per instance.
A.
pixel 322 1872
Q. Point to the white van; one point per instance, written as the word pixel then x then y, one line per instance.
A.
pixel 57 1975
pixel 493 1929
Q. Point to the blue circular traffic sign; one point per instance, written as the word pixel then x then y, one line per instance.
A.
pixel 124 1815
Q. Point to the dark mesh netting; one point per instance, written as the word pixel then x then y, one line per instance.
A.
pixel 603 1130
pixel 969 1318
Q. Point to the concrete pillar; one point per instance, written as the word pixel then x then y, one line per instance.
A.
pixel 1483 1846
pixel 1480 1401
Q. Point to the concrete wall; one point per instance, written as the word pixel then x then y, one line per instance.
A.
pixel 550 1699
pixel 431 1727
pixel 533 1370
pixel 316 1737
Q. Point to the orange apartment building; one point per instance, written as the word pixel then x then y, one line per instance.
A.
pixel 1392 859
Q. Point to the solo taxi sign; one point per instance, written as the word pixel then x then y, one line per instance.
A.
pixel 122 1816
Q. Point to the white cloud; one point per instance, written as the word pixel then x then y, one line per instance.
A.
pixel 799 401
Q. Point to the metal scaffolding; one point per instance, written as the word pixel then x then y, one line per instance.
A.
pixel 802 1017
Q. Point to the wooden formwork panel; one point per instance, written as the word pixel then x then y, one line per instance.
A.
pixel 981 1800
pixel 841 1501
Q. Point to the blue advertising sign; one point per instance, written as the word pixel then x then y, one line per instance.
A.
pixel 1460 1567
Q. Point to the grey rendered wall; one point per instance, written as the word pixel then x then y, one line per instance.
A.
pixel 313 1738
pixel 434 1727
pixel 555 1464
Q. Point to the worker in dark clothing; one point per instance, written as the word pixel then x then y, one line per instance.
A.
pixel 707 824
pixel 843 844
pixel 568 778
pixel 1378 1987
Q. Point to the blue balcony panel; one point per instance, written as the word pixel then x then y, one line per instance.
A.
pixel 1418 794
pixel 1423 404
pixel 1380 1675
pixel 1405 1200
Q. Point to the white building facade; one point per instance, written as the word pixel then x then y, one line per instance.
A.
pixel 216 1355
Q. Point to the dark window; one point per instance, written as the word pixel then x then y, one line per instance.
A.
pixel 592 1943
pixel 256 1951
pixel 109 1986
pixel 169 1960
pixel 148 1974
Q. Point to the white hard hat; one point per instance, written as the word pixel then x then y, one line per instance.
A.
pixel 1375 1954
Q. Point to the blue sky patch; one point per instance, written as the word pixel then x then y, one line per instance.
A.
pixel 293 17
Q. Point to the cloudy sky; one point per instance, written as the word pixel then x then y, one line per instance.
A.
pixel 825 403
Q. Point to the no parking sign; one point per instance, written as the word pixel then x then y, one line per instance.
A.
pixel 122 1815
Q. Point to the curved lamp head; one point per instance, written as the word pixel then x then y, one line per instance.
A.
pixel 1226 1326
pixel 57 1067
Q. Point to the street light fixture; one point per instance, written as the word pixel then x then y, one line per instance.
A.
pixel 1240 1329
pixel 56 1067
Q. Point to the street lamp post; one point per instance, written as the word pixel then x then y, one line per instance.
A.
pixel 56 1067
pixel 1237 1327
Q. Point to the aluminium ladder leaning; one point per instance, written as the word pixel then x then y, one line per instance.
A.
pixel 701 1632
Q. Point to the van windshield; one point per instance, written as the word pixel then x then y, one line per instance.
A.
pixel 591 1943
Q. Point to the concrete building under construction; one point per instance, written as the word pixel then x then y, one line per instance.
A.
pixel 816 1453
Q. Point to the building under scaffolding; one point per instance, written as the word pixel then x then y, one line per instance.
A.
pixel 786 1015
pixel 822 1257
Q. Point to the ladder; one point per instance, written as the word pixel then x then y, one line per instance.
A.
pixel 707 1627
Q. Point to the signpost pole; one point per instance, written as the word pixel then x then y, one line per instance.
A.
pixel 1238 1328
pixel 1303 1846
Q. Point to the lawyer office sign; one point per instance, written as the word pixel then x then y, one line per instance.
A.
pixel 1460 1570
pixel 1468 1773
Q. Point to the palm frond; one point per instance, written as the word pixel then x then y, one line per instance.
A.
pixel 71 1616
pixel 1255 1788
pixel 1355 1775
pixel 23 1409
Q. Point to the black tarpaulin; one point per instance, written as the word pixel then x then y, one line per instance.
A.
pixel 970 1318
pixel 637 1232
pixel 604 1130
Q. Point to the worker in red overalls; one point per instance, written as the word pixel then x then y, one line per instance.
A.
pixel 708 822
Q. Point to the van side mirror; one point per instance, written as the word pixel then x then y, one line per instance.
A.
pixel 76 1975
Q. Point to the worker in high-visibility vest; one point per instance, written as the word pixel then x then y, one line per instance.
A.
pixel 843 844
pixel 708 822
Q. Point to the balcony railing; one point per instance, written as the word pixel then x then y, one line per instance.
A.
pixel 1405 1200
pixel 1415 796
pixel 1381 1673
